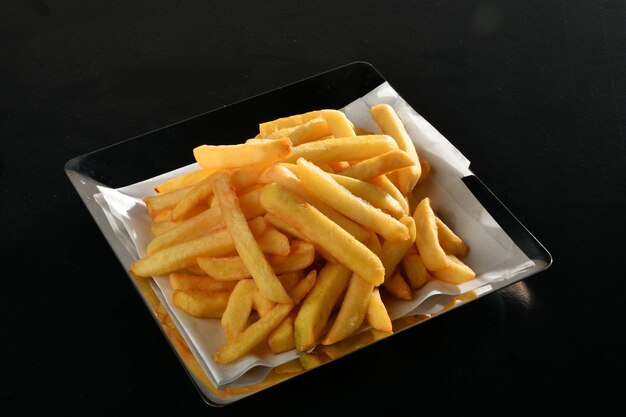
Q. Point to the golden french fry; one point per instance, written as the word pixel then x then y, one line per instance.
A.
pixel 245 243
pixel 319 303
pixel 158 228
pixel 291 279
pixel 352 311
pixel 156 203
pixel 184 254
pixel 275 242
pixel 371 193
pixel 322 231
pixel 351 148
pixel 389 122
pixel 449 241
pixel 266 128
pixel 392 252
pixel 323 186
pixel 310 131
pixel 198 194
pixel 237 311
pixel 260 329
pixel 457 272
pixel 193 282
pixel 427 239
pixel 162 216
pixel 233 268
pixel 205 304
pixel 205 222
pixel 283 174
pixel 385 183
pixel 281 339
pixel 354 303
pixel 192 228
pixel 415 271
pixel 397 286
pixel 183 181
pixel 377 315
pixel 260 304
pixel 285 227
pixel 379 165
pixel 235 156
pixel 338 123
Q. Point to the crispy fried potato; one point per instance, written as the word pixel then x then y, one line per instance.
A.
pixel 317 306
pixel 351 148
pixel 193 282
pixel 389 122
pixel 427 239
pixel 323 186
pixel 205 304
pixel 449 241
pixel 323 232
pixel 237 311
pixel 457 272
pixel 235 156
pixel 245 243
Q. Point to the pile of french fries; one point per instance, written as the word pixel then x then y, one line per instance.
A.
pixel 291 237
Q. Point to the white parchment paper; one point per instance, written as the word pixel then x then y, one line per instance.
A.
pixel 493 255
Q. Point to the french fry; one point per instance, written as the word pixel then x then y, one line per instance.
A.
pixel 285 227
pixel 193 282
pixel 205 222
pixel 371 193
pixel 318 305
pixel 205 304
pixel 377 315
pixel 324 187
pixel 275 242
pixel 389 122
pixel 379 165
pixel 233 268
pixel 283 174
pixel 351 148
pixel 415 271
pixel 184 254
pixel 323 232
pixel 352 311
pixel 310 131
pixel 237 311
pixel 449 241
pixel 457 272
pixel 198 194
pixel 281 339
pixel 245 243
pixel 425 171
pixel 189 229
pixel 338 123
pixel 235 156
pixel 397 286
pixel 354 304
pixel 162 216
pixel 182 181
pixel 427 239
pixel 383 182
pixel 156 203
pixel 158 228
pixel 259 330
pixel 260 304
pixel 266 128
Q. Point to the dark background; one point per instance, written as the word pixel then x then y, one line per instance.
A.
pixel 532 92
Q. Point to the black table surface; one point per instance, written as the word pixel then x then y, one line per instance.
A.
pixel 536 89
